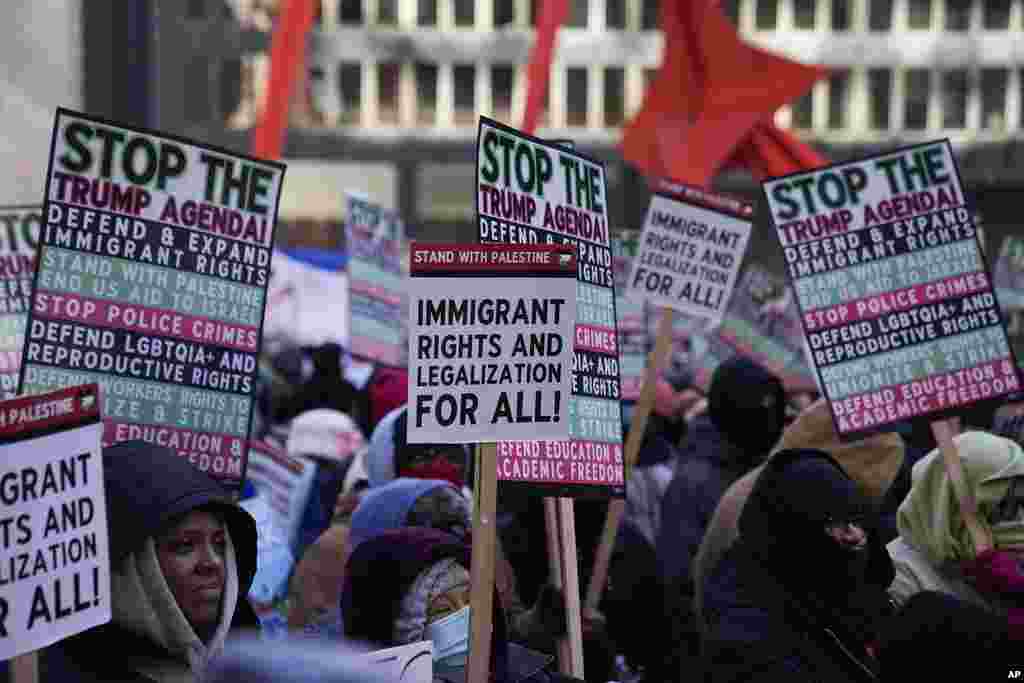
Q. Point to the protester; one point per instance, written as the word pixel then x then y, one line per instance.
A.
pixel 391 456
pixel 873 463
pixel 802 596
pixel 745 418
pixel 411 584
pixel 934 550
pixel 183 557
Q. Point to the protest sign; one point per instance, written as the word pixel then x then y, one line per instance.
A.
pixel 307 302
pixel 373 238
pixel 54 556
pixel 285 481
pixel 534 192
pixel 631 315
pixel 895 297
pixel 490 342
pixel 690 253
pixel 151 281
pixel 19 236
pixel 412 663
pixel 1008 274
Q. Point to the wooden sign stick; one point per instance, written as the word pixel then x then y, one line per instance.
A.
pixel 481 624
pixel 25 668
pixel 553 537
pixel 617 507
pixel 571 583
pixel 968 505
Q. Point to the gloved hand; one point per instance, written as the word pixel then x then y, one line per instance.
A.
pixel 544 623
pixel 995 571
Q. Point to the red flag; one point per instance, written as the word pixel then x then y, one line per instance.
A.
pixel 711 90
pixel 553 14
pixel 287 48
pixel 768 151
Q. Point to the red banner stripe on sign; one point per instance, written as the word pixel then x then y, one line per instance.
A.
pixel 492 258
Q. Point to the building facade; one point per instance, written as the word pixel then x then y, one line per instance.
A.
pixel 393 90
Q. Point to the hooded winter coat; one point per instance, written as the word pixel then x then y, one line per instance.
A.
pixel 149 639
pixel 873 463
pixel 933 538
pixel 789 602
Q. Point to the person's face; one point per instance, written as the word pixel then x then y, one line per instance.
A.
pixel 450 601
pixel 192 558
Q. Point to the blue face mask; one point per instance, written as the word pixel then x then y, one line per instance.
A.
pixel 450 636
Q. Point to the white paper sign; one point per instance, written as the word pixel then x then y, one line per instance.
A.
pixel 490 342
pixel 412 663
pixel 689 257
pixel 54 551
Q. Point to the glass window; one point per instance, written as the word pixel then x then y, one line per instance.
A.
pixel 465 94
pixel 839 100
pixel 915 99
pixel 615 14
pixel 579 11
pixel 767 15
pixel 958 15
pixel 426 94
pixel 197 104
pixel 614 96
pixel 230 86
pixel 502 84
pixel 803 112
pixel 993 98
pixel 996 15
pixel 649 15
pixel 350 85
pixel 880 15
pixel 919 14
pixel 387 12
pixel 426 13
pixel 841 15
pixel 880 93
pixel 576 97
pixel 196 9
pixel 350 12
pixel 803 13
pixel 954 99
pixel 387 92
pixel 504 12
pixel 465 12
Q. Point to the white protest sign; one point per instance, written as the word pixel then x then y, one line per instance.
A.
pixel 19 237
pixel 285 481
pixel 896 299
pixel 690 254
pixel 490 342
pixel 412 663
pixel 54 551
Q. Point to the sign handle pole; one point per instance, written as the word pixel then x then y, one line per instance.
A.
pixel 943 434
pixel 571 581
pixel 481 622
pixel 554 544
pixel 617 507
pixel 25 668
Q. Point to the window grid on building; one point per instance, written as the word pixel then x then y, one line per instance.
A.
pixel 594 91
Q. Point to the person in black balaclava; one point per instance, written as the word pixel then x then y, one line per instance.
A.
pixel 801 595
pixel 746 415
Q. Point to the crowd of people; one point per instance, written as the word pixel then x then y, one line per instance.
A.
pixel 756 545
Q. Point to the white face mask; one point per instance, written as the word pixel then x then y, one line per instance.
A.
pixel 450 636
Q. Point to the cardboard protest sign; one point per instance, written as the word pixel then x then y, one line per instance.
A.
pixel 55 558
pixel 690 252
pixel 151 281
pixel 19 236
pixel 490 342
pixel 632 317
pixel 373 238
pixel 895 297
pixel 285 481
pixel 534 192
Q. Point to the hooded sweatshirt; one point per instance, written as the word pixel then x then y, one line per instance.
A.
pixel 933 538
pixel 149 638
pixel 872 463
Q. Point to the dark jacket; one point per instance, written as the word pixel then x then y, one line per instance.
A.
pixel 147 487
pixel 787 602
